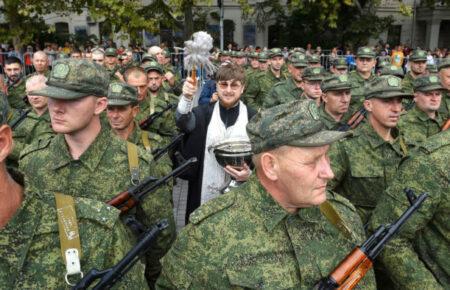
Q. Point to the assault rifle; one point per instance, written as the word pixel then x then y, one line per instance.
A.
pixel 145 124
pixel 355 266
pixel 19 119
pixel 159 152
pixel 354 120
pixel 112 275
pixel 128 199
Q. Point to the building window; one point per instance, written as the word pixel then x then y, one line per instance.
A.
pixel 62 28
pixel 249 34
pixel 394 34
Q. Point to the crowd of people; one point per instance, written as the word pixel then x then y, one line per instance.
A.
pixel 334 146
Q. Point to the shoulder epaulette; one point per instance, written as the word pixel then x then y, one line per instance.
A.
pixel 96 211
pixel 436 141
pixel 214 206
pixel 339 201
pixel 36 146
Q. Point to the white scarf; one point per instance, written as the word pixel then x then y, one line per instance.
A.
pixel 214 176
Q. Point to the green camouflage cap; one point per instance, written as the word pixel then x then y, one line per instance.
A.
pixel 385 59
pixel 75 78
pixel 299 49
pixel 4 109
pixel 263 57
pixel 147 57
pixel 384 63
pixel 314 73
pixel 253 54
pixel 295 123
pixel 240 54
pixel 418 55
pixel 444 63
pixel 233 53
pixel 427 83
pixel 392 70
pixel 275 52
pixel 385 87
pixel 340 62
pixel 111 51
pixel 313 58
pixel 365 52
pixel 166 52
pixel 121 94
pixel 298 59
pixel 152 66
pixel 225 53
pixel 335 83
pixel 432 68
pixel 62 55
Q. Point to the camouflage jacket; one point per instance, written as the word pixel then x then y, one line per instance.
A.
pixel 32 128
pixel 281 93
pixel 244 239
pixel 416 126
pixel 164 125
pixel 364 165
pixel 419 254
pixel 16 95
pixel 328 120
pixel 101 172
pixel 358 90
pixel 407 83
pixel 30 246
pixel 176 88
pixel 444 110
pixel 260 85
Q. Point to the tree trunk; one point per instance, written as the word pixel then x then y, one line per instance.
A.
pixel 188 19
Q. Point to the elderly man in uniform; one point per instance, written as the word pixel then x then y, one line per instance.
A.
pixel 85 159
pixel 30 244
pixel 336 98
pixel 419 256
pixel 272 232
pixel 290 89
pixel 40 63
pixel 424 119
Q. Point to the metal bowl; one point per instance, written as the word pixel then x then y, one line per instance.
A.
pixel 233 152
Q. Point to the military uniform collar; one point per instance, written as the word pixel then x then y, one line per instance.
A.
pixel 374 139
pixel 325 114
pixel 360 78
pixel 421 115
pixel 135 134
pixel 293 85
pixel 90 158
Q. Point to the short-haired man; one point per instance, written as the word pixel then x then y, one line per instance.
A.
pixel 30 244
pixel 14 83
pixel 262 83
pixel 98 56
pixel 339 66
pixel 418 67
pixel 208 124
pixel 271 232
pixel 365 164
pixel 40 63
pixel 424 119
pixel 312 80
pixel 362 76
pixel 290 89
pixel 336 98
pixel 76 54
pixel 111 64
pixel 314 60
pixel 254 63
pixel 263 60
pixel 444 75
pixel 85 159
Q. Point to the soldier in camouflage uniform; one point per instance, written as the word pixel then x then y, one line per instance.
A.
pixel 424 119
pixel 172 78
pixel 40 64
pixel 392 70
pixel 270 232
pixel 13 84
pixel 29 240
pixel 152 98
pixel 312 79
pixel 361 77
pixel 240 59
pixel 36 125
pixel 85 159
pixel 254 64
pixel 339 66
pixel 418 67
pixel 365 164
pixel 336 100
pixel 444 75
pixel 418 257
pixel 314 60
pixel 260 85
pixel 112 64
pixel 290 89
pixel 263 60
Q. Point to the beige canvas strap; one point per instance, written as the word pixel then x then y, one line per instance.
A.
pixel 133 162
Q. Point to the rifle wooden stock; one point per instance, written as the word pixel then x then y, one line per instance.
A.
pixel 351 270
pixel 446 125
pixel 123 202
pixel 354 120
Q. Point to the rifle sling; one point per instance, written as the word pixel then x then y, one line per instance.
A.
pixel 333 217
pixel 69 236
pixel 403 147
pixel 133 162
pixel 146 141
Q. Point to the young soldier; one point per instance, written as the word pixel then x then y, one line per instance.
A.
pixel 336 98
pixel 312 80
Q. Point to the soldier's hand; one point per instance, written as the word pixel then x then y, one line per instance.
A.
pixel 170 78
pixel 239 174
pixel 189 88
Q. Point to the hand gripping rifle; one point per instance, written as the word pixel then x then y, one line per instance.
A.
pixel 112 275
pixel 126 200
pixel 145 124
pixel 355 266
pixel 354 120
pixel 159 152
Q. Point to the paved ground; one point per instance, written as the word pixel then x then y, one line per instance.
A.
pixel 179 202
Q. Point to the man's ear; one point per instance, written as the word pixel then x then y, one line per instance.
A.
pixel 368 105
pixel 270 166
pixel 100 105
pixel 6 142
